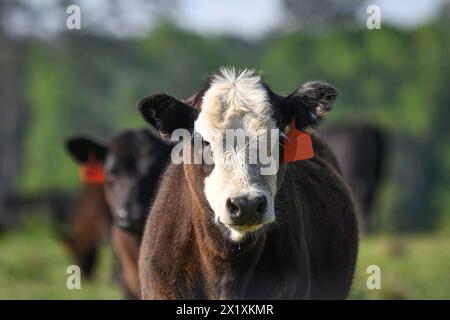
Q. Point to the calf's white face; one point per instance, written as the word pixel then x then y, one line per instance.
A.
pixel 241 197
pixel 236 116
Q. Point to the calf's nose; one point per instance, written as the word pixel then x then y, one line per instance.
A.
pixel 246 210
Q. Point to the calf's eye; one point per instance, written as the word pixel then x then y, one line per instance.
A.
pixel 205 143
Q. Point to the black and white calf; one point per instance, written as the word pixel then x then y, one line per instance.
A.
pixel 224 230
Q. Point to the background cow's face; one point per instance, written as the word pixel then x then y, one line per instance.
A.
pixel 241 196
pixel 133 165
pixel 133 162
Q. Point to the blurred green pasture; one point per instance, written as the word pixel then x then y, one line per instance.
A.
pixel 33 265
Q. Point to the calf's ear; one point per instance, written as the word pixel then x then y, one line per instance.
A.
pixel 83 149
pixel 167 113
pixel 308 104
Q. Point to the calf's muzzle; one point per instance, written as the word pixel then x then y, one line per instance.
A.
pixel 247 210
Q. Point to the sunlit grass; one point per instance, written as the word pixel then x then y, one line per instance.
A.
pixel 33 265
pixel 412 267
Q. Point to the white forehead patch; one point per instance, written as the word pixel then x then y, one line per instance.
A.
pixel 235 100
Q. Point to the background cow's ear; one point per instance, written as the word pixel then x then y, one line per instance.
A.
pixel 83 149
pixel 167 113
pixel 309 104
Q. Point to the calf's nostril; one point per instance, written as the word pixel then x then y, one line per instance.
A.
pixel 232 207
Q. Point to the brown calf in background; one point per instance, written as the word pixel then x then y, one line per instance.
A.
pixel 133 161
pixel 90 225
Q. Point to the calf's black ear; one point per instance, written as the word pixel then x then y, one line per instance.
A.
pixel 83 149
pixel 309 103
pixel 167 113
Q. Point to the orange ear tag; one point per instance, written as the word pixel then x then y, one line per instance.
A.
pixel 92 171
pixel 297 145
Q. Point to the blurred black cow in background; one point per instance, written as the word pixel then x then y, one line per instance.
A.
pixel 133 162
pixel 360 149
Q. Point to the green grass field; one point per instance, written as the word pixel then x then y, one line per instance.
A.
pixel 33 265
